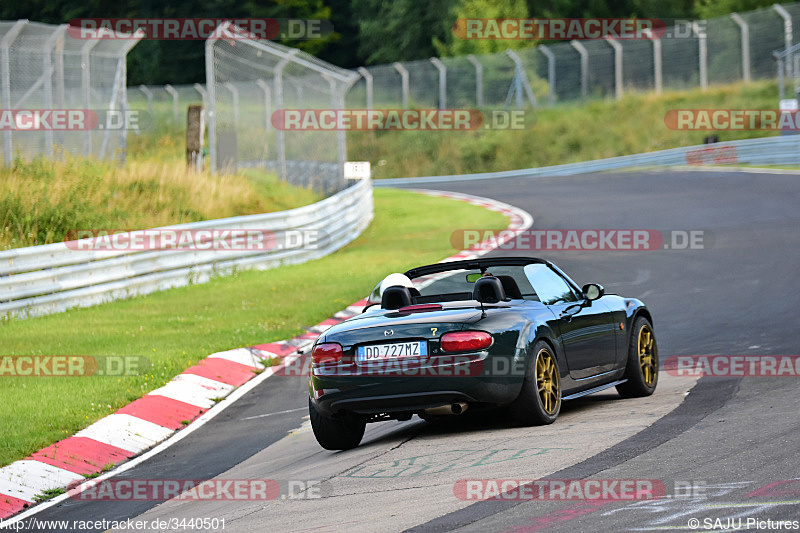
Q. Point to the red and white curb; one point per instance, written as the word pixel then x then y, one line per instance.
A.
pixel 189 397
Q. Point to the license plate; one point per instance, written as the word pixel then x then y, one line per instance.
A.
pixel 395 350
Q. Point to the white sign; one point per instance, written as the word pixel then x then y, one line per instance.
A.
pixel 789 104
pixel 357 170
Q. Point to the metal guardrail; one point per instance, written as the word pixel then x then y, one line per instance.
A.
pixel 54 277
pixel 783 150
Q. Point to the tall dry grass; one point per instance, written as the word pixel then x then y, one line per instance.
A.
pixel 42 200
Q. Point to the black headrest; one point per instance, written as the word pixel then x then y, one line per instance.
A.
pixel 510 287
pixel 395 297
pixel 488 290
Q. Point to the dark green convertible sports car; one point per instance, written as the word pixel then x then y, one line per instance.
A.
pixel 507 332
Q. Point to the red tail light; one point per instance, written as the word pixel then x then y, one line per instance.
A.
pixel 326 353
pixel 465 341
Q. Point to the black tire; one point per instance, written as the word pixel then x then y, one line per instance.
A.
pixel 341 433
pixel 641 370
pixel 539 401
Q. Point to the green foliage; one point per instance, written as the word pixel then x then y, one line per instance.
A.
pixel 401 30
pixel 365 31
pixel 565 134
pixel 717 8
pixel 491 9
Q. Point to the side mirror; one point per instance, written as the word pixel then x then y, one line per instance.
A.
pixel 593 291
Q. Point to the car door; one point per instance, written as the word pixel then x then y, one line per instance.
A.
pixel 586 328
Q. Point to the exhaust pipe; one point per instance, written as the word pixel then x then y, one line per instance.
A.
pixel 455 408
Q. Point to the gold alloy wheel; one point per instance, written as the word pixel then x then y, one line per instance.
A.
pixel 647 355
pixel 547 381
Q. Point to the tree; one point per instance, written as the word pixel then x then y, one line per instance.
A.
pixel 401 30
pixel 453 45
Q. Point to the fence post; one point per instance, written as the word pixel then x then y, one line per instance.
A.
pixel 787 36
pixel 702 50
pixel 267 103
pixel 617 67
pixel 86 85
pixel 778 60
pixel 404 77
pixel 149 94
pixel 584 67
pixel 5 70
pixel 53 43
pixel 118 85
pixel 442 81
pixel 123 94
pixel 745 32
pixel 210 98
pixel 478 80
pixel 521 80
pixel 551 72
pixel 202 90
pixel 171 90
pixel 658 69
pixel 235 93
pixel 368 80
pixel 280 137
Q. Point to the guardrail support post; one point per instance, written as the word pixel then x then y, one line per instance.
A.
pixel 584 67
pixel 551 72
pixel 478 80
pixel 404 77
pixel 745 33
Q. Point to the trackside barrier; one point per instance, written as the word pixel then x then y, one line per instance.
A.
pixel 783 150
pixel 51 278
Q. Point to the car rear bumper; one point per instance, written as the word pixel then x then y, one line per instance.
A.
pixel 409 395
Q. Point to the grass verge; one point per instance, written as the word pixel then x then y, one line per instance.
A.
pixel 567 133
pixel 176 328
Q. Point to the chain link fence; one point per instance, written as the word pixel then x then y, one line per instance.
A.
pixel 691 54
pixel 42 67
pixel 246 81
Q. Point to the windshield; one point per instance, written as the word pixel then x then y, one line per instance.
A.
pixel 454 285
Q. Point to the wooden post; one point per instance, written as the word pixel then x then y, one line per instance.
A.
pixel 194 137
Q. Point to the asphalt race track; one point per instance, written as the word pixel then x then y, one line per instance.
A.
pixel 723 448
